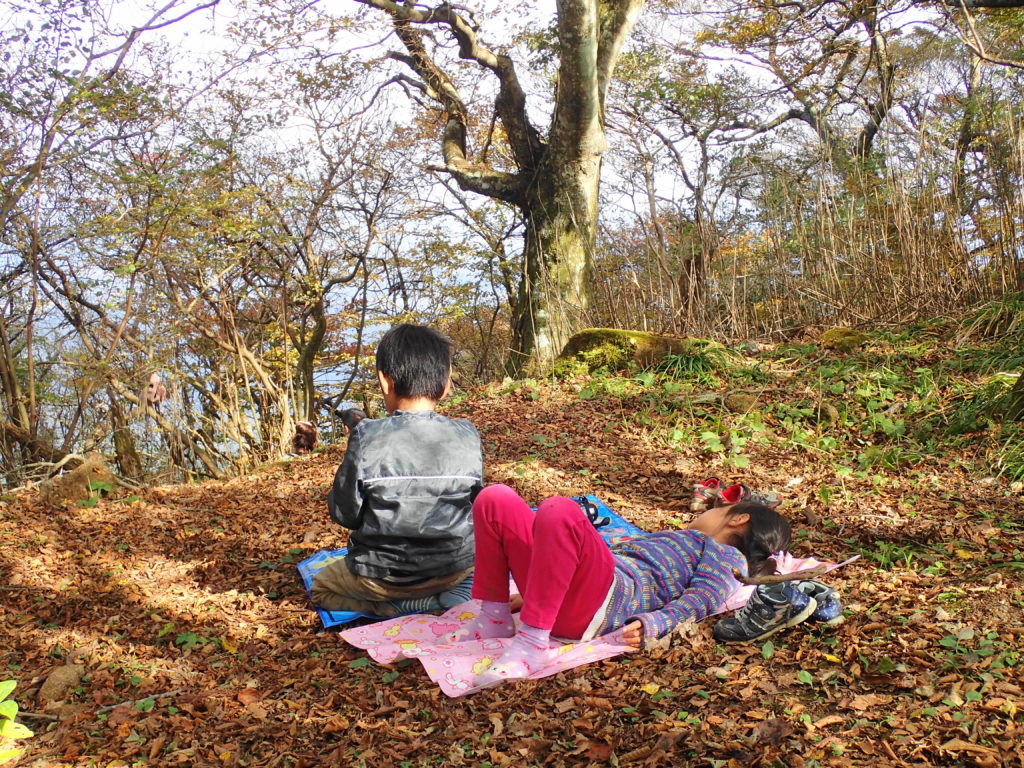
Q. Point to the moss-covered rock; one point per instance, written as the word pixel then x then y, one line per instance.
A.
pixel 739 402
pixel 843 339
pixel 615 349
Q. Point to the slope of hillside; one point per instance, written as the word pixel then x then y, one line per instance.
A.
pixel 198 646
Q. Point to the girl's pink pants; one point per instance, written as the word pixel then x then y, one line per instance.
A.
pixel 559 561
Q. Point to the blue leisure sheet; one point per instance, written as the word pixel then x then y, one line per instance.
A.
pixel 616 530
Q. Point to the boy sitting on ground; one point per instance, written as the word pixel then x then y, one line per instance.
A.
pixel 406 490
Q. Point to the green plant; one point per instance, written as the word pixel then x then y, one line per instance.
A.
pixel 96 489
pixel 188 640
pixel 1009 460
pixel 697 364
pixel 983 404
pixel 1003 317
pixel 10 731
pixel 889 555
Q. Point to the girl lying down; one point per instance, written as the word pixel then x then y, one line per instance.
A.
pixel 574 587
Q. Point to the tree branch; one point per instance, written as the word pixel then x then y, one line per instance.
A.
pixel 510 104
pixel 620 18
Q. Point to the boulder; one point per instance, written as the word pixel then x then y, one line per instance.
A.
pixel 59 682
pixel 615 349
pixel 73 486
pixel 843 339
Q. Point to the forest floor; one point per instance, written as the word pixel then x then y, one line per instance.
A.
pixel 200 648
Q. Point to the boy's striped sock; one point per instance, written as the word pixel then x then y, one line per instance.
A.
pixel 416 604
pixel 459 594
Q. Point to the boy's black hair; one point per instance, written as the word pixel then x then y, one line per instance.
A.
pixel 417 359
pixel 351 416
pixel 768 533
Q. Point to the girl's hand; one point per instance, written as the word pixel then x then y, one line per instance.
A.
pixel 515 603
pixel 633 634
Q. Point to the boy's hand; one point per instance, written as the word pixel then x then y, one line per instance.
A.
pixel 633 634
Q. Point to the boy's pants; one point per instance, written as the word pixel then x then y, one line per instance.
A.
pixel 336 588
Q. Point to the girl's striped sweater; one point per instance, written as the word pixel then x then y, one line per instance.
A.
pixel 664 578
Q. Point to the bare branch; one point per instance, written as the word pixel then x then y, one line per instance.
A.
pixel 620 18
pixel 510 103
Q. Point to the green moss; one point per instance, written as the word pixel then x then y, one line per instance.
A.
pixel 616 349
pixel 843 339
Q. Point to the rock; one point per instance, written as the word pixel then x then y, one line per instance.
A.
pixel 59 682
pixel 828 412
pixel 615 348
pixel 74 485
pixel 739 402
pixel 843 339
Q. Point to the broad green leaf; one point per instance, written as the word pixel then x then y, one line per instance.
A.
pixel 10 755
pixel 803 676
pixel 768 649
pixel 145 705
pixel 6 687
pixel 363 662
pixel 13 730
pixel 9 709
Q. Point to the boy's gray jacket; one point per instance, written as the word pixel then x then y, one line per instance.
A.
pixel 406 489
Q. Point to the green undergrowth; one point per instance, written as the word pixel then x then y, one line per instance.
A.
pixel 933 392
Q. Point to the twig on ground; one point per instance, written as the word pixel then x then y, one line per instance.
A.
pixel 109 707
pixel 778 578
pixel 37 715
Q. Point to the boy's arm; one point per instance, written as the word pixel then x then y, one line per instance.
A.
pixel 345 501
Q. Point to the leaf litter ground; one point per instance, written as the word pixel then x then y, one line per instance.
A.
pixel 199 646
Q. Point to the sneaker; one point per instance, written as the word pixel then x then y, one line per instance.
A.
pixel 705 494
pixel 591 511
pixel 734 494
pixel 770 608
pixel 829 610
pixel 738 492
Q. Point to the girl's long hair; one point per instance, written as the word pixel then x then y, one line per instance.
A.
pixel 768 533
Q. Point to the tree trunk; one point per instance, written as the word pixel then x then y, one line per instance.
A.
pixel 555 287
pixel 305 367
pixel 555 183
pixel 128 462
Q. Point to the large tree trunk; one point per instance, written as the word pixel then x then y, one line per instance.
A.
pixel 555 183
pixel 554 289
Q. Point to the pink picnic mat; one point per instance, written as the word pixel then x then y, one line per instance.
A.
pixel 455 666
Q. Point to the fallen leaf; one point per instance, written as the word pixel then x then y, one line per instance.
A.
pixel 599 751
pixel 249 696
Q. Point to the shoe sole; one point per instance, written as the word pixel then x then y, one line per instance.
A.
pixel 812 606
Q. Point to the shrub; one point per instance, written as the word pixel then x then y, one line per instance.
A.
pixel 10 731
